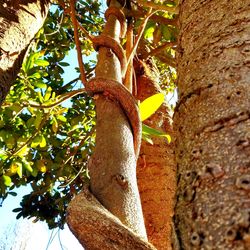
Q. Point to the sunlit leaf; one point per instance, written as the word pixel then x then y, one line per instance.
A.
pixel 62 118
pixel 41 62
pixel 36 142
pixel 47 94
pixel 150 105
pixel 40 84
pixel 154 132
pixel 24 151
pixel 6 180
pixel 147 139
pixel 27 165
pixel 43 142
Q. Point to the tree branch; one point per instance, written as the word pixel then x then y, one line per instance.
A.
pixel 64 97
pixel 159 7
pixel 77 41
pixel 138 38
pixel 160 49
pixel 156 18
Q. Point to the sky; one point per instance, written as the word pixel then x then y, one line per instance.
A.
pixel 37 234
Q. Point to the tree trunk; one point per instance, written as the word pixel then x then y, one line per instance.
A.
pixel 156 166
pixel 19 22
pixel 213 126
pixel 112 169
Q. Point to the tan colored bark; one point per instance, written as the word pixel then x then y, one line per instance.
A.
pixel 156 169
pixel 96 228
pixel 19 22
pixel 213 126
pixel 113 165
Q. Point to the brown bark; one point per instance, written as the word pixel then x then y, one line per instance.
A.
pixel 213 126
pixel 19 22
pixel 156 167
pixel 112 167
pixel 96 228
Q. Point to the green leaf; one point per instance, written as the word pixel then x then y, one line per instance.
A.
pixel 10 141
pixel 147 139
pixel 43 142
pixel 149 30
pixel 40 84
pixel 39 140
pixel 12 193
pixel 36 142
pixel 151 131
pixel 3 154
pixel 15 210
pixel 64 64
pixel 47 94
pixel 15 167
pixel 20 170
pixel 62 118
pixel 6 180
pixel 24 151
pixel 36 75
pixel 150 105
pixel 27 165
pixel 38 120
pixel 41 62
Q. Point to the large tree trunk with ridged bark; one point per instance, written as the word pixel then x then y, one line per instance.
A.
pixel 19 22
pixel 156 171
pixel 213 126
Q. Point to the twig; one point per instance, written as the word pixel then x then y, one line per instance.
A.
pixel 86 33
pixel 167 60
pixel 64 97
pixel 64 87
pixel 77 41
pixel 128 81
pixel 160 48
pixel 138 38
pixel 159 7
pixel 156 18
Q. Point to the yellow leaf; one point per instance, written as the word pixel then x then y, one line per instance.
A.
pixel 24 151
pixel 150 105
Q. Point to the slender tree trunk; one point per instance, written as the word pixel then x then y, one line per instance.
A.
pixel 19 22
pixel 156 166
pixel 213 126
pixel 114 156
pixel 112 170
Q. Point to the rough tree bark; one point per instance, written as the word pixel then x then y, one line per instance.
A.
pixel 19 22
pixel 213 126
pixel 156 169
